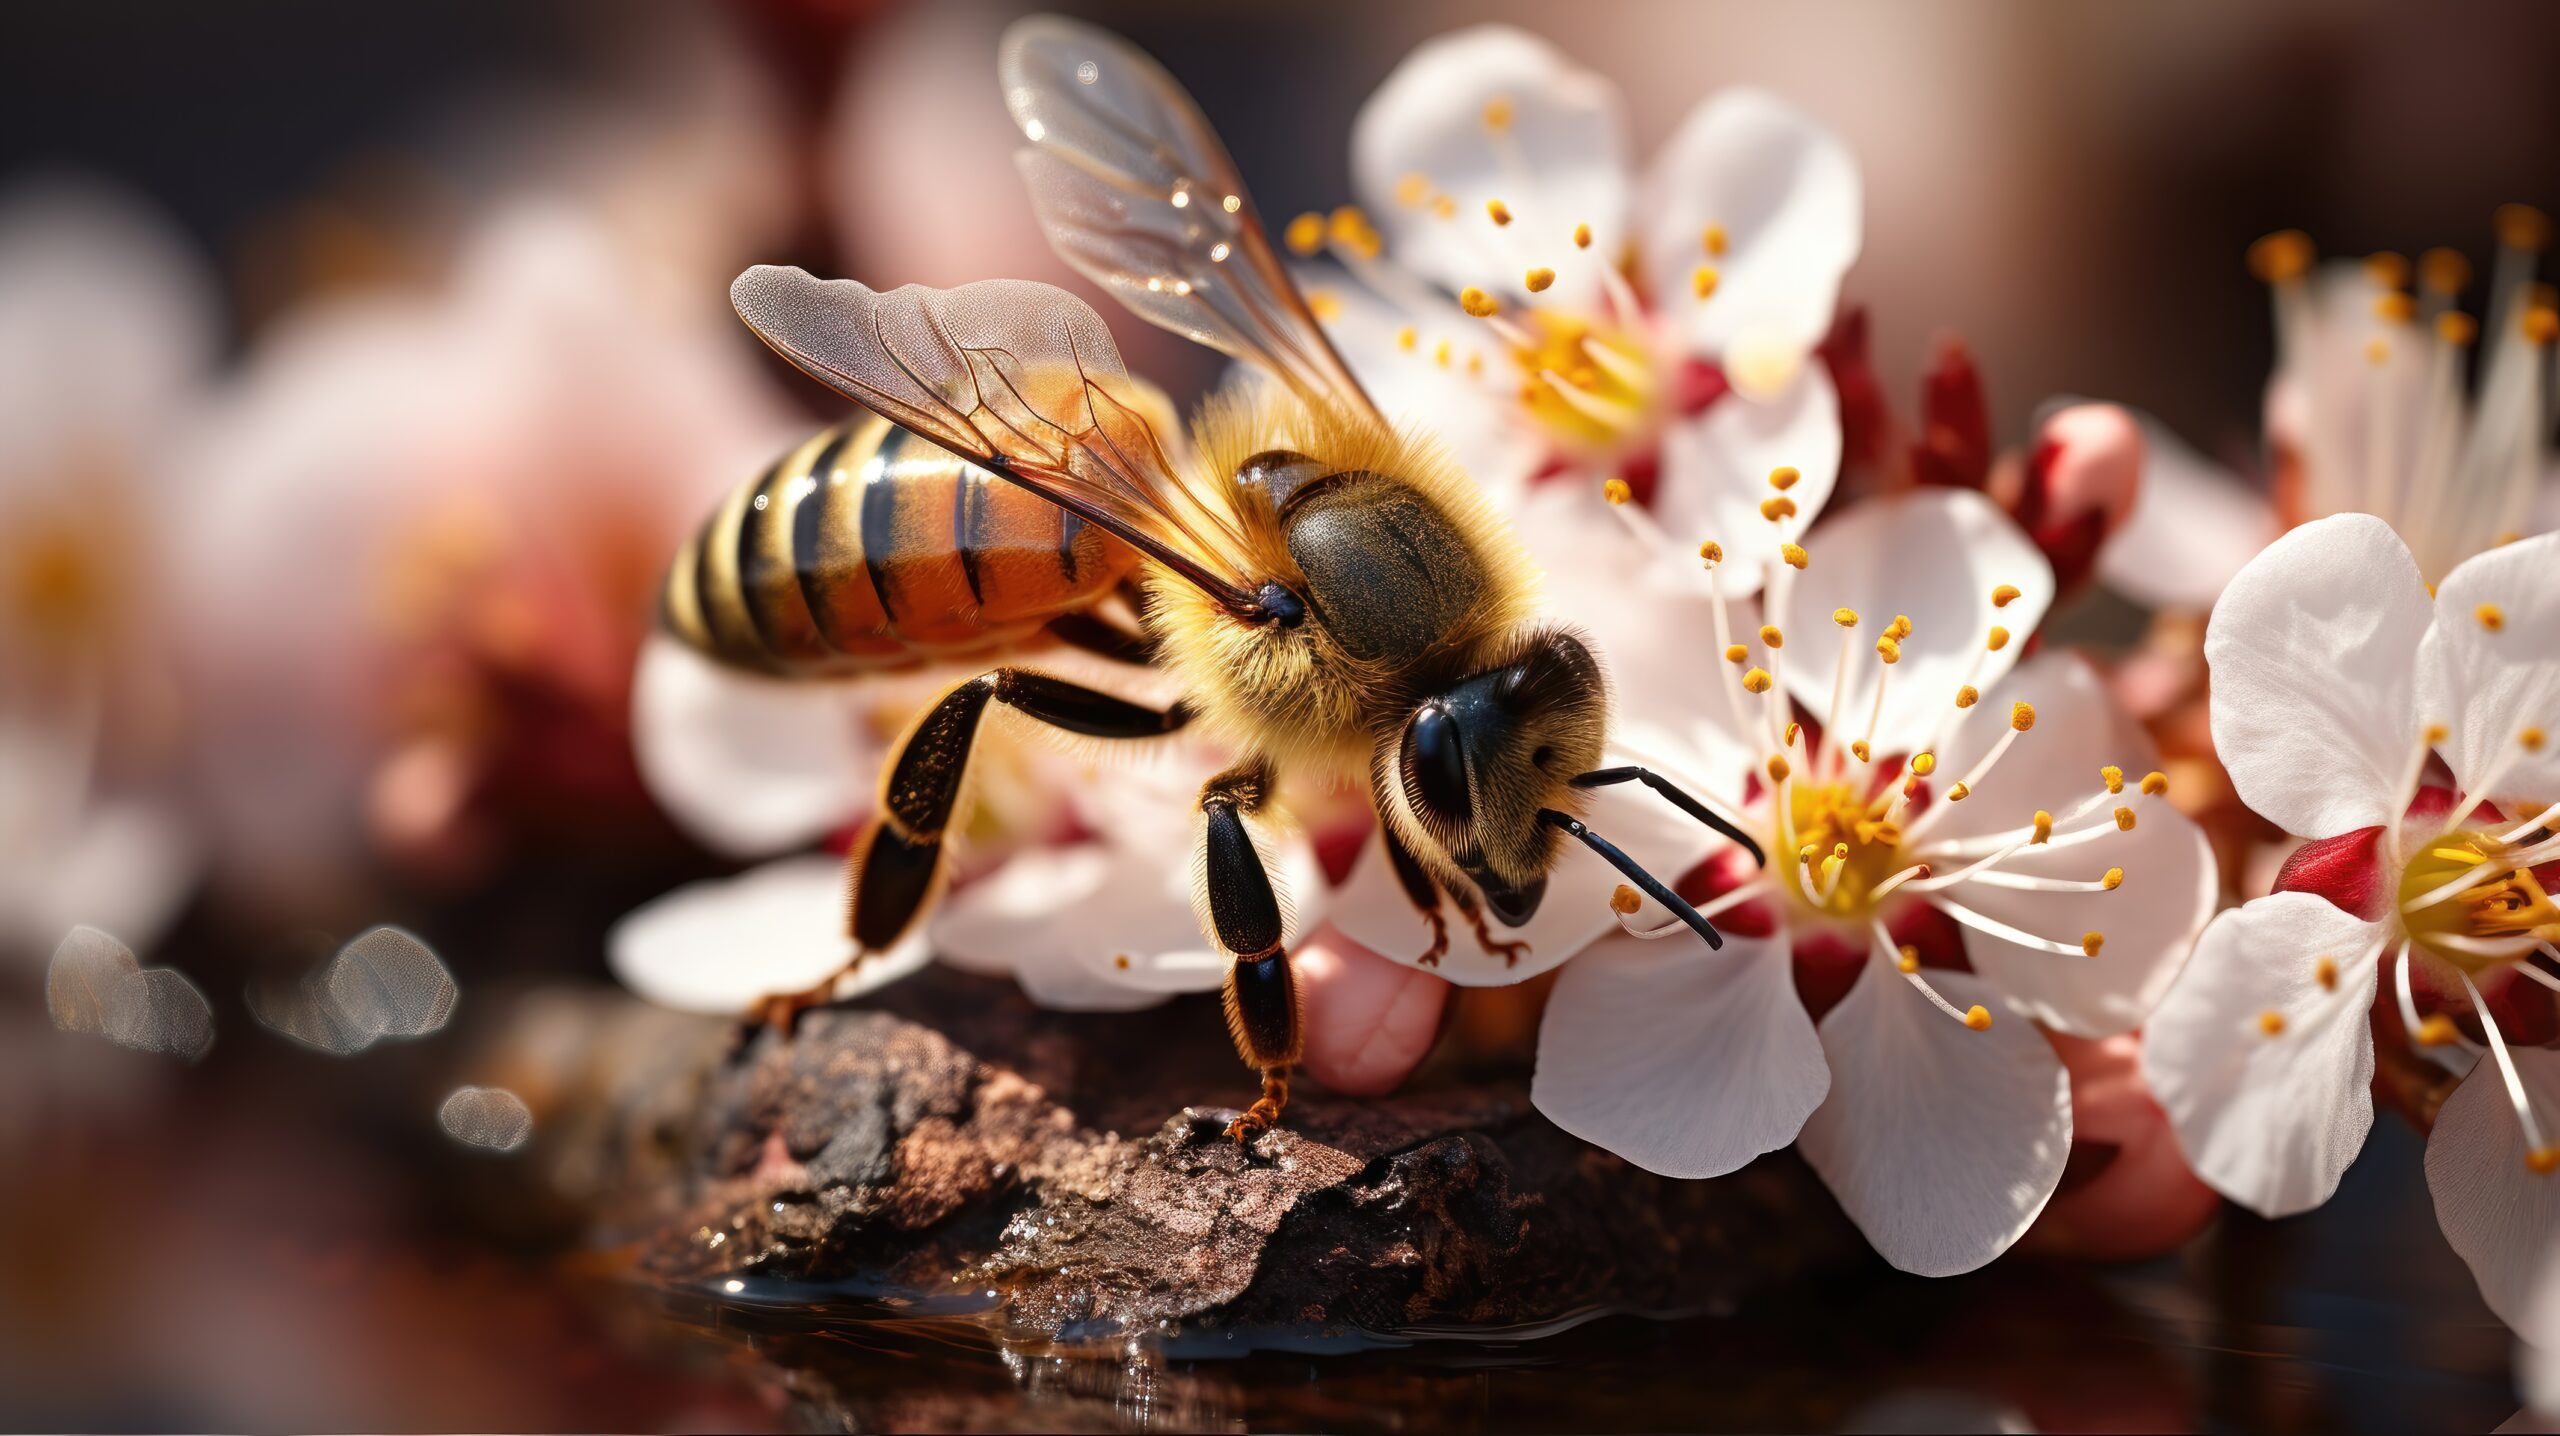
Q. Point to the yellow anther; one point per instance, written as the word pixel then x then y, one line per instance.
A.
pixel 2542 1161
pixel 1616 490
pixel 1413 189
pixel 2438 1031
pixel 1776 507
pixel 2377 351
pixel 2532 739
pixel 2457 328
pixel 1978 1017
pixel 2325 972
pixel 1121 962
pixel 2090 942
pixel 2492 617
pixel 2395 308
pixel 1908 959
pixel 1771 637
pixel 1475 363
pixel 2154 783
pixel 1998 638
pixel 2124 820
pixel 1845 617
pixel 1324 304
pixel 2113 777
pixel 1888 650
pixel 2387 268
pixel 2043 826
pixel 1711 551
pixel 1443 207
pixel 1900 628
pixel 1959 793
pixel 1582 236
pixel 1794 731
pixel 2004 595
pixel 2521 226
pixel 2437 733
pixel 1712 239
pixel 1498 113
pixel 1349 227
pixel 1924 764
pixel 1305 234
pixel 1783 477
pixel 1794 555
pixel 2271 1022
pixel 1839 851
pixel 2022 716
pixel 1440 353
pixel 1861 751
pixel 1624 900
pixel 1539 280
pixel 1778 771
pixel 1407 338
pixel 2444 271
pixel 2282 256
pixel 1967 696
pixel 2113 880
pixel 1808 853
pixel 1735 653
pixel 2541 325
pixel 1478 303
pixel 1757 680
pixel 1500 212
pixel 1703 280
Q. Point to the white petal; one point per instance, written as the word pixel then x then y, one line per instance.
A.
pixel 1786 192
pixel 1934 555
pixel 1560 161
pixel 127 866
pixel 2502 1217
pixel 719 945
pixel 2489 687
pixel 2538 1380
pixel 747 764
pixel 1941 1143
pixel 2270 1122
pixel 1684 1062
pixel 2194 525
pixel 1715 472
pixel 2170 885
pixel 2311 651
pixel 1371 907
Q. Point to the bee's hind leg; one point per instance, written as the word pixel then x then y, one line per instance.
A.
pixel 896 865
pixel 1264 1014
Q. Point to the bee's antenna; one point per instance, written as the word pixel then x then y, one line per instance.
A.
pixel 1603 777
pixel 1635 873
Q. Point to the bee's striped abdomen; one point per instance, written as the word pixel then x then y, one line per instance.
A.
pixel 867 547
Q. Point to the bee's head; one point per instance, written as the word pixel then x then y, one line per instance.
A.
pixel 1474 766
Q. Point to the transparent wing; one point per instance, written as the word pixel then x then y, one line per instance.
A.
pixel 1136 191
pixel 1021 378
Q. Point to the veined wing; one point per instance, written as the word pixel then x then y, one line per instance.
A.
pixel 1136 191
pixel 1021 378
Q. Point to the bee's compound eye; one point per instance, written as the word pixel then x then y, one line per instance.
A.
pixel 1435 763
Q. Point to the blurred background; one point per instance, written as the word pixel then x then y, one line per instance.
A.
pixel 360 367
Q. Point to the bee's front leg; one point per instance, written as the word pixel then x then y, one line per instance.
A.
pixel 1264 1014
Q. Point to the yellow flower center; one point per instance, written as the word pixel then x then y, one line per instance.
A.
pixel 1588 384
pixel 1847 846
pixel 2463 899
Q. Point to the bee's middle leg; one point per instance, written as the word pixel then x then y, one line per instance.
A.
pixel 1264 1014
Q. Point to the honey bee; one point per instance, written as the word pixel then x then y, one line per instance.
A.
pixel 1333 596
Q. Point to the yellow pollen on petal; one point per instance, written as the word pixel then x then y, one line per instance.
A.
pixel 2542 1161
pixel 2043 826
pixel 1616 491
pixel 1888 650
pixel 1771 636
pixel 2532 739
pixel 1967 696
pixel 1783 477
pixel 2004 595
pixel 2437 1031
pixel 2521 226
pixel 1862 751
pixel 1778 770
pixel 2090 942
pixel 1757 680
pixel 1845 617
pixel 2492 617
pixel 2281 256
pixel 1794 555
pixel 1407 338
pixel 1776 507
pixel 1712 239
pixel 1978 1017
pixel 1959 793
pixel 1999 638
pixel 1305 234
pixel 1703 280
pixel 1498 211
pixel 2387 268
pixel 1711 551
pixel 1582 236
pixel 2124 820
pixel 1539 280
pixel 1412 190
pixel 2113 777
pixel 1624 899
pixel 2444 271
pixel 2271 1022
pixel 2022 716
pixel 2113 880
pixel 1498 113
pixel 2325 972
pixel 2457 328
pixel 1908 959
pixel 1478 303
pixel 1924 764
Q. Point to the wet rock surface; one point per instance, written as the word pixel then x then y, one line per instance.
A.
pixel 951 1143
